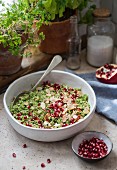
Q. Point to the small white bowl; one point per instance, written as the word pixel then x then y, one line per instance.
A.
pixel 49 135
pixel 87 136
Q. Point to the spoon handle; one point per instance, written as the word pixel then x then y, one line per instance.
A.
pixel 55 61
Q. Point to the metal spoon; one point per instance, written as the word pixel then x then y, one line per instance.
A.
pixel 55 61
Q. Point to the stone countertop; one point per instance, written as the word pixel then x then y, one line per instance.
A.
pixel 60 153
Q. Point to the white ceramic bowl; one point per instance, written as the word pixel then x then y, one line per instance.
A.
pixel 49 135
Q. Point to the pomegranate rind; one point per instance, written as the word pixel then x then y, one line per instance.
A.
pixel 102 76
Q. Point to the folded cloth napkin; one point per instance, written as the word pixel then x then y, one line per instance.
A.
pixel 106 96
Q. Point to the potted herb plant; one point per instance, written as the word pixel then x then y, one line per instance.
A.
pixel 16 33
pixel 57 30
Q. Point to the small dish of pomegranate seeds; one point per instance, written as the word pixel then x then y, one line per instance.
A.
pixel 92 146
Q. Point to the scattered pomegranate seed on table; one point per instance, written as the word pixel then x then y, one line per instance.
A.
pixel 23 167
pixel 42 165
pixel 24 146
pixel 93 148
pixel 48 161
pixel 14 155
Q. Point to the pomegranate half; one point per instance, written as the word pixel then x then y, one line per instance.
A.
pixel 107 74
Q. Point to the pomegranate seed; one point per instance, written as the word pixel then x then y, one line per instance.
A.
pixel 19 114
pixel 72 120
pixel 62 109
pixel 35 118
pixel 52 115
pixel 106 66
pixel 23 167
pixel 48 161
pixel 25 117
pixel 42 165
pixel 39 121
pixel 64 125
pixel 30 114
pixel 56 114
pixel 29 125
pixel 65 89
pixel 19 118
pixel 28 106
pixel 58 110
pixel 24 146
pixel 14 155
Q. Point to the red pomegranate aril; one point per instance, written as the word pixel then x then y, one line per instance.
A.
pixel 30 114
pixel 29 125
pixel 42 165
pixel 65 89
pixel 23 167
pixel 35 118
pixel 62 109
pixel 48 161
pixel 56 114
pixel 14 155
pixel 89 155
pixel 64 125
pixel 93 148
pixel 24 146
pixel 25 117
pixel 58 110
pixel 19 114
pixel 28 106
pixel 19 118
pixel 85 154
pixel 52 115
pixel 39 121
pixel 72 120
pixel 55 109
pixel 62 97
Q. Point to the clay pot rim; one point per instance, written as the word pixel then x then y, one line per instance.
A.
pixel 54 23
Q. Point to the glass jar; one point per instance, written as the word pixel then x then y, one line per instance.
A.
pixel 73 45
pixel 100 43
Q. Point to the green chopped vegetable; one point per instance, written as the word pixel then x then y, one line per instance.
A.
pixel 50 106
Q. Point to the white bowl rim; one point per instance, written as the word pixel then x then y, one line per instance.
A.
pixel 43 129
pixel 85 132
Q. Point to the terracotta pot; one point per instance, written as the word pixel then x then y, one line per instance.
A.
pixel 56 36
pixel 10 64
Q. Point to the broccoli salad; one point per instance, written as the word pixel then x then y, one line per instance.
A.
pixel 51 105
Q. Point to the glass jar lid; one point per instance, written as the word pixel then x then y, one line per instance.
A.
pixel 101 12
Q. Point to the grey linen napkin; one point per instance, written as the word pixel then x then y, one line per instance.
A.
pixel 106 96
